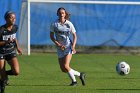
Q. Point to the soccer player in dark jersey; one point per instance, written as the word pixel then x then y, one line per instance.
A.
pixel 8 49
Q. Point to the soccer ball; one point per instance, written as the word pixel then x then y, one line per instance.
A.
pixel 123 68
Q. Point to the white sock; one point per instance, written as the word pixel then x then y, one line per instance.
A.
pixel 71 74
pixel 75 72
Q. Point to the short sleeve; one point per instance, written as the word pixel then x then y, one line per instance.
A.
pixel 72 28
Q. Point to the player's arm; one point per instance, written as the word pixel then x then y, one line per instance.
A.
pixel 52 35
pixel 17 46
pixel 56 42
pixel 74 37
pixel 2 43
pixel 74 42
pixel 53 39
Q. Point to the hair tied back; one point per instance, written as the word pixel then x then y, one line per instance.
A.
pixel 8 13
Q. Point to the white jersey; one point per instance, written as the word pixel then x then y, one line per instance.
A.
pixel 63 31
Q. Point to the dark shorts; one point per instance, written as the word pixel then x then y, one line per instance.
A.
pixel 8 56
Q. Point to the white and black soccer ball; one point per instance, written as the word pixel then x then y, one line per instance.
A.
pixel 123 68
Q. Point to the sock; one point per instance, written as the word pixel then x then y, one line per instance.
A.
pixel 71 74
pixel 75 72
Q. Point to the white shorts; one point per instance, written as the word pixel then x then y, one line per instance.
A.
pixel 62 53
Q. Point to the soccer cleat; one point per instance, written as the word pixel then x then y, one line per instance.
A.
pixel 82 77
pixel 73 84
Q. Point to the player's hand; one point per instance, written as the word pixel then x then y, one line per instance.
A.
pixel 19 51
pixel 63 47
pixel 73 50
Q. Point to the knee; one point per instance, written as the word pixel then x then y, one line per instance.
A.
pixel 16 73
pixel 63 70
pixel 12 72
pixel 66 67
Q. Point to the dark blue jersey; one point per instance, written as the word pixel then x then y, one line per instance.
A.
pixel 5 35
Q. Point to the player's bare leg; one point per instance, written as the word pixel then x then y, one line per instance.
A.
pixel 3 76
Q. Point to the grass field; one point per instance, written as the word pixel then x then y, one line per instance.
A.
pixel 40 73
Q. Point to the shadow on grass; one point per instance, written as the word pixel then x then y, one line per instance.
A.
pixel 35 85
pixel 119 89
pixel 122 77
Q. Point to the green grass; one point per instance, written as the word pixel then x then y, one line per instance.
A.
pixel 40 73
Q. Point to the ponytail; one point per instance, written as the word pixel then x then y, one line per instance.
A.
pixel 67 16
pixel 7 14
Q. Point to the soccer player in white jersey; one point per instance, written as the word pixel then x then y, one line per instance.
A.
pixel 60 33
